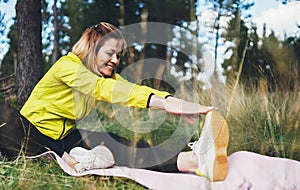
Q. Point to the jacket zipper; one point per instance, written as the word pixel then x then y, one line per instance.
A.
pixel 65 120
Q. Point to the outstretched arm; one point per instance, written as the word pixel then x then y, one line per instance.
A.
pixel 179 107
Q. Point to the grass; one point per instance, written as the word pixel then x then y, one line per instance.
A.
pixel 265 122
pixel 44 173
pixel 261 121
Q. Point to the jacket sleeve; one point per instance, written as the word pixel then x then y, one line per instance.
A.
pixel 162 94
pixel 78 77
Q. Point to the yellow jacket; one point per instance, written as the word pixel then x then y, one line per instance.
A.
pixel 68 92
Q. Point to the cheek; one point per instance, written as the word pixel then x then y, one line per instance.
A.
pixel 101 60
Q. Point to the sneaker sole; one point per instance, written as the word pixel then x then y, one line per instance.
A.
pixel 220 132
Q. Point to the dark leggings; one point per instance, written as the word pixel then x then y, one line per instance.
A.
pixel 17 136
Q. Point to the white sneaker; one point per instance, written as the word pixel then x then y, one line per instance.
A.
pixel 211 148
pixel 99 157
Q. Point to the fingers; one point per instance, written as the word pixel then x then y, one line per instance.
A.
pixel 205 110
pixel 191 119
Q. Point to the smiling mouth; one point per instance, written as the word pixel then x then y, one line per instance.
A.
pixel 107 65
pixel 110 66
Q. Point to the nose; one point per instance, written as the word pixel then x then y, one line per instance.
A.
pixel 114 58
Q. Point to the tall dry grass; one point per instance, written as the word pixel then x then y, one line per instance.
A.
pixel 264 121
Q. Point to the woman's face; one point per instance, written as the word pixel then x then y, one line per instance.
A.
pixel 108 57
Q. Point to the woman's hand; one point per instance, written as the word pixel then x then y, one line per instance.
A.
pixel 189 110
pixel 181 107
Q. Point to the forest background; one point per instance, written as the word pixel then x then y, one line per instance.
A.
pixel 256 85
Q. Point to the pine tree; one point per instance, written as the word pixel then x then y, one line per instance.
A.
pixel 29 66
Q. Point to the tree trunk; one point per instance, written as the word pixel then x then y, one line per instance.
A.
pixel 55 53
pixel 195 46
pixel 122 13
pixel 144 31
pixel 29 66
pixel 217 28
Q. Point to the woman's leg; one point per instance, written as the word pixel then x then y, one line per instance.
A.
pixel 187 162
pixel 60 147
pixel 12 131
pixel 74 139
pixel 18 135
pixel 136 155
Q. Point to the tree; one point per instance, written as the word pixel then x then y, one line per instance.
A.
pixel 55 53
pixel 2 15
pixel 2 24
pixel 9 62
pixel 257 61
pixel 287 1
pixel 2 31
pixel 230 9
pixel 171 14
pixel 54 32
pixel 84 13
pixel 236 32
pixel 221 8
pixel 29 65
pixel 284 68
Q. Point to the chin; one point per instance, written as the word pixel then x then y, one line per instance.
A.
pixel 106 75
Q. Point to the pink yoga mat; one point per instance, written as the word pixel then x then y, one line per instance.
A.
pixel 246 171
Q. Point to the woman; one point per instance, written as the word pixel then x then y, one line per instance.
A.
pixel 71 88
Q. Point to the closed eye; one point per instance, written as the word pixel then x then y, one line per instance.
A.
pixel 110 54
pixel 118 55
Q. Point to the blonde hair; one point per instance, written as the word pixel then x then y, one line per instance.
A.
pixel 92 40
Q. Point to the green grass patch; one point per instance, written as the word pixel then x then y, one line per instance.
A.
pixel 44 173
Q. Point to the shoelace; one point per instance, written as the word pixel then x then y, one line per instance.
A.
pixel 90 163
pixel 81 167
pixel 87 164
pixel 92 159
pixel 194 145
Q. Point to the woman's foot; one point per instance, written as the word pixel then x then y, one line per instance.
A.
pixel 99 157
pixel 211 148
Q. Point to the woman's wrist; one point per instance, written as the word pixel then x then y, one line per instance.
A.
pixel 157 102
